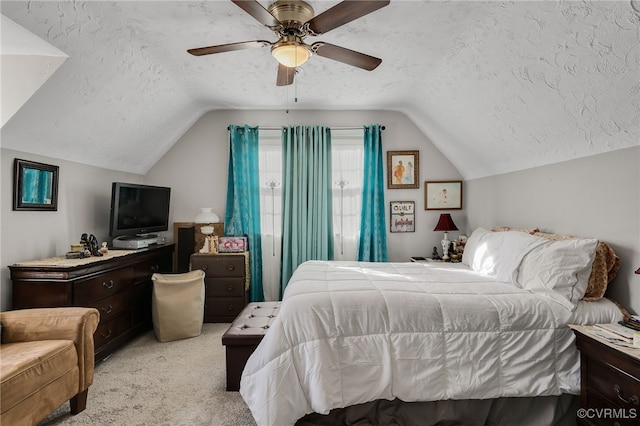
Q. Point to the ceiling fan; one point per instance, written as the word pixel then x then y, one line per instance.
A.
pixel 292 21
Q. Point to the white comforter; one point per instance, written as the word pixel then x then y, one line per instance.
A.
pixel 351 332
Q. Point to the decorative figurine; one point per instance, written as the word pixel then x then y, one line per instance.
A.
pixel 213 244
pixel 104 249
pixel 90 244
pixel 434 254
pixel 86 246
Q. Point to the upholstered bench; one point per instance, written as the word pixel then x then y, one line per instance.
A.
pixel 244 335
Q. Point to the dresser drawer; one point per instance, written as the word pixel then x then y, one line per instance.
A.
pixel 143 270
pixel 220 265
pixel 112 305
pixel 227 287
pixel 614 385
pixel 110 329
pixel 86 292
pixel 223 308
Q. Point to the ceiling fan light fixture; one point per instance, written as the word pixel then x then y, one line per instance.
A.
pixel 291 54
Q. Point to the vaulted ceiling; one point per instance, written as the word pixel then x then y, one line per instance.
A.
pixel 497 86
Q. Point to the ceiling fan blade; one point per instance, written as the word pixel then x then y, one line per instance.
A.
pixel 255 9
pixel 347 56
pixel 200 51
pixel 343 13
pixel 285 75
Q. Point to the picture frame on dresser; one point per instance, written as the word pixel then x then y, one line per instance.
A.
pixel 35 186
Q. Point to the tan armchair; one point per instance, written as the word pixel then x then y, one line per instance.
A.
pixel 46 359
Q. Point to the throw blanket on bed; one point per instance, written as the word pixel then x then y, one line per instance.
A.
pixel 351 332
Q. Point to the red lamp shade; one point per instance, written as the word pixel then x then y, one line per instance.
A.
pixel 445 223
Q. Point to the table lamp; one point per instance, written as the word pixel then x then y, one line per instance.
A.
pixel 206 216
pixel 445 223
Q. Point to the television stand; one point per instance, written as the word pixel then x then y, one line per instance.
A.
pixel 135 241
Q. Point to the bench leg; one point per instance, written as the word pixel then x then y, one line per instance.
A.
pixel 237 357
pixel 79 402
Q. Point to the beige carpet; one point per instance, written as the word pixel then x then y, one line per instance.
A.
pixel 152 383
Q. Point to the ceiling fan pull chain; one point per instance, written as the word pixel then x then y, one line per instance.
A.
pixel 287 101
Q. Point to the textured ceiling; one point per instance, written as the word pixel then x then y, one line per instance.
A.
pixel 496 86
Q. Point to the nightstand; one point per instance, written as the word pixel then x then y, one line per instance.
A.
pixel 226 284
pixel 610 381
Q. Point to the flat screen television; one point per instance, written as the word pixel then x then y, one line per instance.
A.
pixel 138 209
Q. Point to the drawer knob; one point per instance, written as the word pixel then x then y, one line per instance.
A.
pixel 155 268
pixel 230 287
pixel 230 307
pixel 231 267
pixel 633 400
pixel 204 267
pixel 107 309
pixel 107 334
pixel 107 285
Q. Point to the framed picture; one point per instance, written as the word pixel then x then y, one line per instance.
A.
pixel 402 216
pixel 35 186
pixel 403 169
pixel 443 195
pixel 232 244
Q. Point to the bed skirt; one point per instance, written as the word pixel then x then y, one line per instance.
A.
pixel 544 410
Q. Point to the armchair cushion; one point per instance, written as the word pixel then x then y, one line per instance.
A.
pixel 46 359
pixel 33 365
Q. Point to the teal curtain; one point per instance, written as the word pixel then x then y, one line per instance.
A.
pixel 242 215
pixel 372 246
pixel 307 219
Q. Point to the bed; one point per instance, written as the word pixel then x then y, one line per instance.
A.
pixel 492 328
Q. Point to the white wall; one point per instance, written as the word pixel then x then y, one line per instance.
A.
pixel 196 167
pixel 196 170
pixel 84 196
pixel 597 196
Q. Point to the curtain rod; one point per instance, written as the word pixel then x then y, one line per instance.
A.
pixel 332 128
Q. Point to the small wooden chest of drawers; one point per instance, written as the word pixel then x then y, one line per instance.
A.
pixel 226 284
pixel 610 382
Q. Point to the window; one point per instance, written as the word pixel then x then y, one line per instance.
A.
pixel 347 178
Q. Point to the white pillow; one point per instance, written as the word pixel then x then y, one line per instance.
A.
pixel 559 270
pixel 472 245
pixel 498 254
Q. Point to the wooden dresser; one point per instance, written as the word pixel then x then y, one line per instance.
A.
pixel 610 381
pixel 226 284
pixel 118 285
